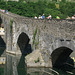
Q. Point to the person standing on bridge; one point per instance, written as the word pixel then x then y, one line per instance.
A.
pixel 43 16
pixel 49 17
pixel 57 17
pixel 40 17
pixel 35 17
pixel 6 11
pixel 73 17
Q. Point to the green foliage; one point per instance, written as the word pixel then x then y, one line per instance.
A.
pixel 34 35
pixel 36 41
pixel 67 8
pixel 30 9
pixel 63 0
pixel 54 13
pixel 11 22
pixel 1 71
pixel 38 60
pixel 51 5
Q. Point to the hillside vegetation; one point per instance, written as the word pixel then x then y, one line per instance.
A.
pixel 31 9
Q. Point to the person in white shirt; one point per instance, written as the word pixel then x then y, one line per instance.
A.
pixel 49 17
pixel 73 17
pixel 35 17
pixel 40 17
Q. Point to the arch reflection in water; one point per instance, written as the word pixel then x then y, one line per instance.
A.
pixel 15 65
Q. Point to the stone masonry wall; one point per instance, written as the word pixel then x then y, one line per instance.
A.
pixel 42 33
pixel 45 35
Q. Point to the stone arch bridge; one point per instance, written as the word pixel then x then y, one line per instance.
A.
pixel 54 38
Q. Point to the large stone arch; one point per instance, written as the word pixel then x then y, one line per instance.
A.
pixel 2 46
pixel 60 55
pixel 61 52
pixel 23 43
pixel 18 31
pixel 2 38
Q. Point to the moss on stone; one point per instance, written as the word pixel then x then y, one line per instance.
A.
pixel 36 41
pixel 38 60
pixel 34 35
pixel 11 22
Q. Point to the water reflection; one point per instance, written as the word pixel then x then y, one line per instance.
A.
pixel 11 65
pixel 15 65
pixel 40 71
pixel 21 67
pixel 68 65
pixel 2 47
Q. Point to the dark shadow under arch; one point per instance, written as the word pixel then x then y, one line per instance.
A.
pixel 23 43
pixel 60 56
pixel 21 67
pixel 2 46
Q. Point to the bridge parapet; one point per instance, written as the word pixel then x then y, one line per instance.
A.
pixel 59 28
pixel 56 28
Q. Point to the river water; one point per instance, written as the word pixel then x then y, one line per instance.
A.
pixel 15 65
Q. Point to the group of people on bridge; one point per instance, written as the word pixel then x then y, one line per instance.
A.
pixel 4 11
pixel 43 17
pixel 50 17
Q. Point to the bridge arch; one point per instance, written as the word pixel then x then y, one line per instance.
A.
pixel 60 56
pixel 2 46
pixel 2 38
pixel 23 43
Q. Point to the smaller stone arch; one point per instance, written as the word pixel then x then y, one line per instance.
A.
pixel 23 43
pixel 2 46
pixel 60 56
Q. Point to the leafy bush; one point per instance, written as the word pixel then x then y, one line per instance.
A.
pixel 31 9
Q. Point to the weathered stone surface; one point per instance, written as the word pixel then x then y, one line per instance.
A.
pixel 35 59
pixel 45 35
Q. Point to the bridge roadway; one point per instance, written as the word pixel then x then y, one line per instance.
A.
pixel 54 38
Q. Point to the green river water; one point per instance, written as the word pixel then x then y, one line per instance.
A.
pixel 15 65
